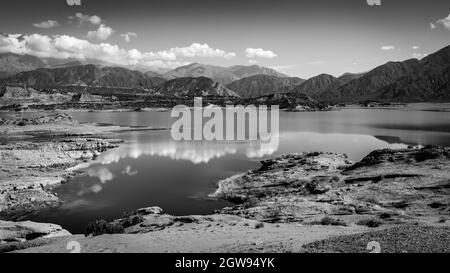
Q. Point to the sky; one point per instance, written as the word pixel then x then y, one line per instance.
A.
pixel 300 38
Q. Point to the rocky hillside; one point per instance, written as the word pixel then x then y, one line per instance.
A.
pixel 367 86
pixel 194 87
pixel 243 71
pixel 408 81
pixel 347 77
pixel 195 70
pixel 430 81
pixel 260 85
pixel 85 75
pixel 152 74
pixel 11 64
pixel 314 86
pixel 223 75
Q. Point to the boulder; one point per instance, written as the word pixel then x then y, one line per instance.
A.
pixel 150 210
pixel 24 231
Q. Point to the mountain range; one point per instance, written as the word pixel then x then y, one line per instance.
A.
pixel 407 81
pixel 368 85
pixel 222 75
pixel 12 64
pixel 85 75
pixel 430 81
pixel 260 85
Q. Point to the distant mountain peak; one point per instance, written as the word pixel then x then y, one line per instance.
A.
pixel 194 87
pixel 223 75
pixel 261 85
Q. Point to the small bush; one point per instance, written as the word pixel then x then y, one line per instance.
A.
pixel 370 223
pixel 258 225
pixel 131 220
pixel 99 227
pixel 328 221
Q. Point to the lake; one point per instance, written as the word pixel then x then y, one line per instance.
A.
pixel 150 169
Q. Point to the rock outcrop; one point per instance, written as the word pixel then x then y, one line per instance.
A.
pixel 24 231
pixel 391 185
pixel 48 147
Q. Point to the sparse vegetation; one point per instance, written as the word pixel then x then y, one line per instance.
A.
pixel 328 221
pixel 370 222
pixel 131 219
pixel 99 227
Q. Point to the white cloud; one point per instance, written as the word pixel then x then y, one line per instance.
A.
pixel 432 26
pixel 200 50
pixel 82 18
pixel 102 173
pixel 415 47
pixel 129 171
pixel 419 55
pixel 64 46
pixel 283 68
pixel 445 22
pixel 388 47
pixel 259 53
pixel 252 61
pixel 102 33
pixel 127 36
pixel 96 188
pixel 46 24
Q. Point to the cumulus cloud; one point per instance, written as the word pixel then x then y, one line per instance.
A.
pixel 444 22
pixel 259 53
pixel 102 173
pixel 46 24
pixel 200 50
pixel 432 26
pixel 83 18
pixel 127 36
pixel 102 33
pixel 415 47
pixel 388 47
pixel 64 46
pixel 283 68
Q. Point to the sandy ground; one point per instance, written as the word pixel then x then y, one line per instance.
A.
pixel 228 234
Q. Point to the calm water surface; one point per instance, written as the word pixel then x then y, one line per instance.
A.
pixel 151 169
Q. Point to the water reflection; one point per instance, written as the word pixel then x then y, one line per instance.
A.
pixel 150 169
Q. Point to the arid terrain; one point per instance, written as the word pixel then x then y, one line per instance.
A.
pixel 310 202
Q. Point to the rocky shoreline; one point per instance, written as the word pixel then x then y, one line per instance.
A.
pixel 291 203
pixel 387 186
pixel 38 153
